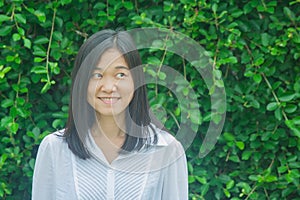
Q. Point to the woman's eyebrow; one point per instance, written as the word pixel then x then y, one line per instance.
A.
pixel 121 67
pixel 116 67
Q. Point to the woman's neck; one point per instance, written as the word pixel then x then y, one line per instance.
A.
pixel 109 135
pixel 109 126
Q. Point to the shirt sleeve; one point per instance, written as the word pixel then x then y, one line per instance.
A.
pixel 175 183
pixel 43 176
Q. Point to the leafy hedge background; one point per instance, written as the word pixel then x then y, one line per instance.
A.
pixel 254 44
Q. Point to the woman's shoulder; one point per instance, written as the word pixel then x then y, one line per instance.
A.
pixel 55 139
pixel 168 149
pixel 165 138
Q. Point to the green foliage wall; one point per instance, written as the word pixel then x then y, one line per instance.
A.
pixel 254 44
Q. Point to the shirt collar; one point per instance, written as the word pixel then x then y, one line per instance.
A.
pixel 161 141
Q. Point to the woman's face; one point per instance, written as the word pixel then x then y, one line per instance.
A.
pixel 111 85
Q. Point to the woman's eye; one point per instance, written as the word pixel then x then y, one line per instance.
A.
pixel 121 75
pixel 97 75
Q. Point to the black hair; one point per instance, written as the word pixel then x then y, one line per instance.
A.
pixel 82 115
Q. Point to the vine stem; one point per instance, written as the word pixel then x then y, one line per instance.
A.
pixel 251 192
pixel 49 45
pixel 268 84
pixel 216 55
pixel 184 68
pixel 161 63
pixel 273 93
pixel 174 118
pixel 13 12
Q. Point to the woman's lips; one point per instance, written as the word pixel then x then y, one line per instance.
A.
pixel 109 100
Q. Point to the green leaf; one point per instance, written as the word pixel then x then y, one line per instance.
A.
pixel 22 112
pixel 3 159
pixel 282 169
pixel 228 136
pixel 14 127
pixel 265 38
pixel 270 179
pixel 247 8
pixel 287 97
pixel 216 118
pixel 4 71
pixel 230 184
pixel 162 75
pixel 248 74
pixel 191 179
pixel 57 123
pixel 195 116
pixel 234 158
pixel 257 78
pixel 296 131
pixel 10 58
pixel 39 51
pixel 21 31
pixel 246 155
pixel 201 179
pixel 57 36
pixel 153 61
pixel 232 60
pixel 39 70
pixel 185 91
pixel 296 120
pixel 217 74
pixel 54 67
pixel 219 83
pixel 16 37
pixel 290 108
pixel 40 15
pixel 204 189
pixel 278 114
pixel 20 18
pixel 5 30
pixel 56 54
pixel 100 6
pixel 253 177
pixel 65 2
pixel 7 103
pixel 272 106
pixel 4 18
pixel 290 14
pixel 226 192
pixel 41 40
pixel 237 13
pixel 27 43
pixel 168 6
pixel 214 7
pixel 259 61
pixel 240 145
pixel 31 163
pixel 37 59
pixel 46 87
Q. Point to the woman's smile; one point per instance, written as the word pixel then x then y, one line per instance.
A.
pixel 109 100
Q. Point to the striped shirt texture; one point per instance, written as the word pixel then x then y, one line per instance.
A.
pixel 158 172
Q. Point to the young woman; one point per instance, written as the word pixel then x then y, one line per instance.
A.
pixel 110 148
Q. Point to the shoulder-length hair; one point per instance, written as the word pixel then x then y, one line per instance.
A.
pixel 82 115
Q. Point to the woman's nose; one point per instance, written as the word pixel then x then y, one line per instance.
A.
pixel 108 85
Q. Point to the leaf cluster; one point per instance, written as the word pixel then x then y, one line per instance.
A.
pixel 254 48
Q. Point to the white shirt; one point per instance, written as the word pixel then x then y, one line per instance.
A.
pixel 155 173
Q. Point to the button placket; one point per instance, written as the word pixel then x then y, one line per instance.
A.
pixel 110 184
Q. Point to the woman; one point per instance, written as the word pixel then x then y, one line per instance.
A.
pixel 110 148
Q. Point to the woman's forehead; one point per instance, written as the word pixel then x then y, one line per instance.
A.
pixel 112 58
